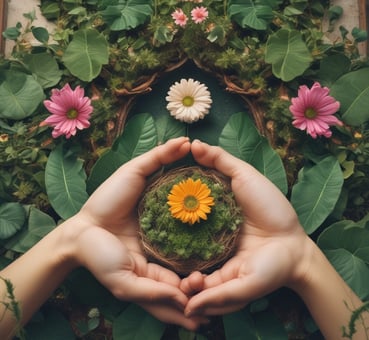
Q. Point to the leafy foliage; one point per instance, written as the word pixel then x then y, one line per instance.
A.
pixel 86 54
pixel 255 54
pixel 12 217
pixel 241 139
pixel 20 95
pixel 288 54
pixel 352 91
pixel 345 243
pixel 316 193
pixel 127 14
pixel 65 182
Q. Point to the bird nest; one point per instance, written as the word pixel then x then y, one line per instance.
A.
pixel 184 247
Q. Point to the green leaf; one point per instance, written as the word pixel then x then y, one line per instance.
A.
pixel 12 218
pixel 316 192
pixel 20 95
pixel 333 67
pixel 39 224
pixel 274 329
pixel 288 54
pixel 352 91
pixel 41 34
pixel 50 10
pixel 359 34
pixel 65 182
pixel 249 13
pixel 127 14
pixel 11 33
pixel 53 325
pixel 347 235
pixel 352 269
pixel 168 128
pixel 44 68
pixel 217 34
pixel 139 136
pixel 241 138
pixel 86 54
pixel 136 324
pixel 239 326
pixel 85 289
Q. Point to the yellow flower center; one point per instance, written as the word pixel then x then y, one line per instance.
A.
pixel 72 114
pixel 188 101
pixel 310 113
pixel 191 203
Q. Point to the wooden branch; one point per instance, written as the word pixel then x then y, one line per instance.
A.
pixel 364 20
pixel 3 19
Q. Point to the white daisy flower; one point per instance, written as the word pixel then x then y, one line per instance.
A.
pixel 188 100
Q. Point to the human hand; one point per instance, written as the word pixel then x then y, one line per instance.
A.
pixel 272 244
pixel 109 245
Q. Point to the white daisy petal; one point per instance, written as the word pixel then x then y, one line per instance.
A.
pixel 193 91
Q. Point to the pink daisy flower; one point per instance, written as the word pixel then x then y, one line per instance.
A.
pixel 313 110
pixel 69 109
pixel 180 18
pixel 199 14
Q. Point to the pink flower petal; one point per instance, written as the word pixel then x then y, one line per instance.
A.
pixel 316 99
pixel 60 104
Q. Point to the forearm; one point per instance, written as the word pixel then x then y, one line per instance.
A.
pixel 329 299
pixel 34 276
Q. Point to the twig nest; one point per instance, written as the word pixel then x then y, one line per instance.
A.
pixel 189 220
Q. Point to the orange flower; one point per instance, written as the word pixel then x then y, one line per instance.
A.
pixel 190 200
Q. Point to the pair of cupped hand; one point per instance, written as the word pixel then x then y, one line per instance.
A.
pixel 267 256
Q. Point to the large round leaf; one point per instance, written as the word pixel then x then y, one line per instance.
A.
pixel 352 91
pixel 139 136
pixel 12 218
pixel 135 324
pixel 316 192
pixel 252 326
pixel 20 95
pixel 39 224
pixel 86 54
pixel 127 14
pixel 52 325
pixel 44 67
pixel 352 269
pixel 288 54
pixel 65 182
pixel 241 138
pixel 346 244
pixel 249 13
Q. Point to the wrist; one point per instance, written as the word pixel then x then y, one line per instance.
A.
pixel 324 292
pixel 67 242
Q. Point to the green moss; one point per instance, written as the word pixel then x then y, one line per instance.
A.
pixel 200 240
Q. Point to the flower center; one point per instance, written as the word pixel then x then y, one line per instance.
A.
pixel 310 113
pixel 191 203
pixel 188 101
pixel 72 114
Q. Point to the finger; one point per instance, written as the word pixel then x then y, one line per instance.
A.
pixel 192 284
pixel 225 298
pixel 254 192
pixel 121 190
pixel 129 287
pixel 171 315
pixel 160 274
pixel 167 153
pixel 216 157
